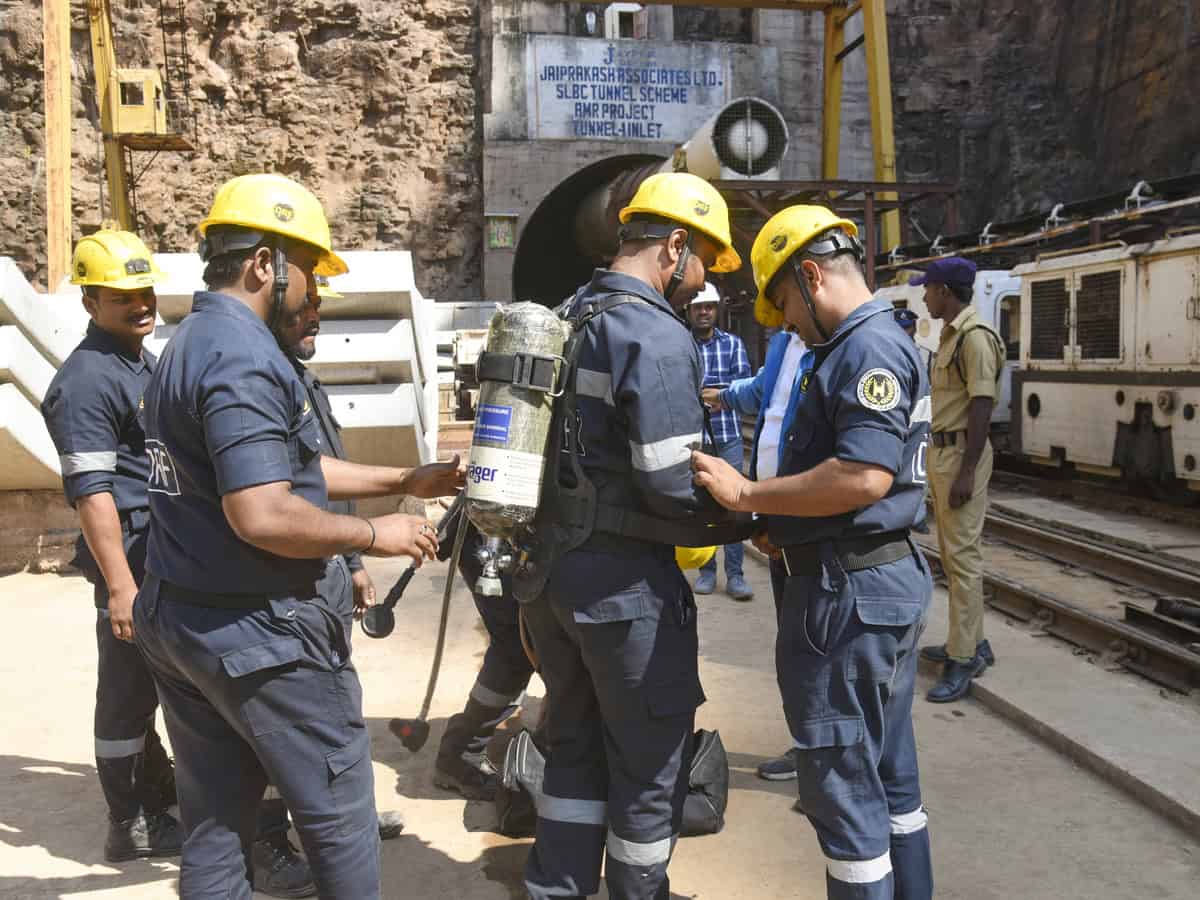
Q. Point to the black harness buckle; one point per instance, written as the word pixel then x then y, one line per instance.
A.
pixel 523 370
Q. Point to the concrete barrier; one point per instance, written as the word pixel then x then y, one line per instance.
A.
pixel 22 365
pixel 30 460
pixel 377 355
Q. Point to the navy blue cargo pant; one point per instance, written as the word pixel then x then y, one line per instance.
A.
pixel 262 695
pixel 615 635
pixel 130 760
pixel 502 678
pixel 846 661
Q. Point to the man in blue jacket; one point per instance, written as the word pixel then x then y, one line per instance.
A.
pixel 772 395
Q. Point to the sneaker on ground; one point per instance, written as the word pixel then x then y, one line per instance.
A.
pixel 738 588
pixel 782 768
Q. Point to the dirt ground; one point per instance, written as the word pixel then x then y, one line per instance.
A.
pixel 1009 818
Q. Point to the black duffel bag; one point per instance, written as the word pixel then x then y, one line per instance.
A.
pixel 703 810
pixel 708 786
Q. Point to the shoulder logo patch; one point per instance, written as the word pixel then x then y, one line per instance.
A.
pixel 879 389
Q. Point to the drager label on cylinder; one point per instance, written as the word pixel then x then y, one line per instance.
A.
pixel 492 422
pixel 504 476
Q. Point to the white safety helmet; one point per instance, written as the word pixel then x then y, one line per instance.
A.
pixel 710 294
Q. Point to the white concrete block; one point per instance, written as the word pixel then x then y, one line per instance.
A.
pixel 350 351
pixel 30 460
pixel 381 423
pixel 184 273
pixel 379 285
pixel 54 323
pixel 23 365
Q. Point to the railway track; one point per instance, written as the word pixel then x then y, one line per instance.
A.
pixel 1147 636
pixel 1109 495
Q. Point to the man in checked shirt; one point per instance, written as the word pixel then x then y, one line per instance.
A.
pixel 725 361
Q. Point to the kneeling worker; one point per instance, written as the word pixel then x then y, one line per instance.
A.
pixel 849 488
pixel 242 616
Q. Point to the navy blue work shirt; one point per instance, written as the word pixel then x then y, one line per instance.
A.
pixel 638 392
pixel 92 411
pixel 225 410
pixel 331 431
pixel 868 402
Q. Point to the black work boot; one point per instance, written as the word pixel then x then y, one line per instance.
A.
pixel 937 653
pixel 470 774
pixel 279 871
pixel 956 678
pixel 143 836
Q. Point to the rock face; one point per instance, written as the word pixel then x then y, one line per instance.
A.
pixel 375 104
pixel 370 103
pixel 1027 104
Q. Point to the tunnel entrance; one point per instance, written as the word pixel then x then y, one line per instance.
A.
pixel 550 261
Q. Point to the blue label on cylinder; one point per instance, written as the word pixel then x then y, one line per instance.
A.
pixel 491 422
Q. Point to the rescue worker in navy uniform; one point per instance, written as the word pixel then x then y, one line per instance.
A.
pixel 849 488
pixel 92 410
pixel 615 628
pixel 244 611
pixel 278 870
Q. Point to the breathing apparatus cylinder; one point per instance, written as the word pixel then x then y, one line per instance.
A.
pixel 519 373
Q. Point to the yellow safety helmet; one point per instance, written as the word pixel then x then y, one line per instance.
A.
pixel 114 259
pixel 324 290
pixel 272 204
pixel 693 203
pixel 693 557
pixel 785 233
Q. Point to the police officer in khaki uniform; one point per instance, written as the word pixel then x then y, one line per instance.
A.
pixel 965 381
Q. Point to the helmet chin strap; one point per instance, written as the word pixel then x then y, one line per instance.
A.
pixel 677 275
pixel 279 286
pixel 802 282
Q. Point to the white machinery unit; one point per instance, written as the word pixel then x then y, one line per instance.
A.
pixel 1109 376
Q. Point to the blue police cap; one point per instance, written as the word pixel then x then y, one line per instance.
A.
pixel 905 318
pixel 953 270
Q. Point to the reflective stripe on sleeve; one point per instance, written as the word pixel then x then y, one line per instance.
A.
pixel 663 454
pixel 94 461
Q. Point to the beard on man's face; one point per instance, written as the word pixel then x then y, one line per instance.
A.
pixel 305 348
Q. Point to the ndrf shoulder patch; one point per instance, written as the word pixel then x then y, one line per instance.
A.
pixel 879 389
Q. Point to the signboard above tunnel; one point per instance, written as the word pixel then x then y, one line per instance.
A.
pixel 624 90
